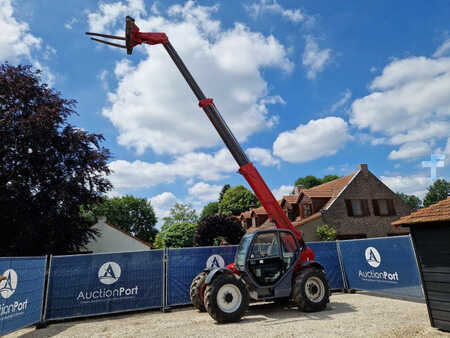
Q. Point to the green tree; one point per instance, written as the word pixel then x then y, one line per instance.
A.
pixel 413 201
pixel 211 208
pixel 308 181
pixel 223 191
pixel 438 191
pixel 236 200
pixel 159 241
pixel 326 233
pixel 329 178
pixel 312 181
pixel 180 235
pixel 215 227
pixel 132 214
pixel 48 168
pixel 179 213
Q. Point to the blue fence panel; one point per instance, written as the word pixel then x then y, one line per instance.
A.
pixel 85 285
pixel 385 265
pixel 21 293
pixel 326 254
pixel 184 264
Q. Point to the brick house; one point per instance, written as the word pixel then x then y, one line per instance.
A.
pixel 356 206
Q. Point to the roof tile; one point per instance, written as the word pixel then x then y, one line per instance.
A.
pixel 439 212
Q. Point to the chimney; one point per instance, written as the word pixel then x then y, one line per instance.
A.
pixel 364 169
pixel 298 188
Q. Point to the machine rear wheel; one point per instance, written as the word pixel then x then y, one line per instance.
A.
pixel 311 291
pixel 226 299
pixel 197 290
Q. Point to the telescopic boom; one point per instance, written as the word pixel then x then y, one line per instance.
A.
pixel 133 38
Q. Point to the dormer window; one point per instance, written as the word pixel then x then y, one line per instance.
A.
pixel 307 210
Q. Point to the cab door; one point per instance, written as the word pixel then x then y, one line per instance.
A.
pixel 265 262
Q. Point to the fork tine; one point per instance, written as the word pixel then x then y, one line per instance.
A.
pixel 106 36
pixel 109 43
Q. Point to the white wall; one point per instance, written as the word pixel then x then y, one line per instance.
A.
pixel 113 240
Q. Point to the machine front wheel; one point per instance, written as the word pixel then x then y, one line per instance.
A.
pixel 226 299
pixel 310 290
pixel 197 290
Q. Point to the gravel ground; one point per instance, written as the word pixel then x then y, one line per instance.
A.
pixel 347 315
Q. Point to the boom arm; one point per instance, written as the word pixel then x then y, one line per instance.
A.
pixel 275 212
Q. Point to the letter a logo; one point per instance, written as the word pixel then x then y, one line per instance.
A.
pixel 215 261
pixel 373 257
pixel 109 273
pixel 8 286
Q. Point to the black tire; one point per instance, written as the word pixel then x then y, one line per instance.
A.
pixel 223 310
pixel 311 291
pixel 196 291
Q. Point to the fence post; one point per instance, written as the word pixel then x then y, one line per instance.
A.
pixel 341 264
pixel 48 264
pixel 166 307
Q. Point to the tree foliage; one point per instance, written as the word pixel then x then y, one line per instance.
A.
pixel 326 233
pixel 48 168
pixel 223 191
pixel 312 181
pixel 179 213
pixel 438 191
pixel 215 226
pixel 413 201
pixel 179 235
pixel 236 200
pixel 211 208
pixel 132 214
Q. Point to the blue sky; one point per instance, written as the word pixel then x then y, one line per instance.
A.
pixel 308 87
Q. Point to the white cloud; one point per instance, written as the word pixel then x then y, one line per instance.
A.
pixel 205 192
pixel 152 106
pixel 322 137
pixel 262 156
pixel 69 24
pixel 343 100
pixel 426 131
pixel 104 20
pixel 272 6
pixel 443 49
pixel 411 185
pixel 314 58
pixel 282 191
pixel 161 205
pixel 410 151
pixel 406 96
pixel 139 174
pixel 16 41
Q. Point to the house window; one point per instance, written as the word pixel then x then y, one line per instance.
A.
pixel 307 210
pixel 383 207
pixel 357 208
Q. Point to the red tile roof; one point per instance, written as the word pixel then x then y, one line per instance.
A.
pixel 439 212
pixel 329 190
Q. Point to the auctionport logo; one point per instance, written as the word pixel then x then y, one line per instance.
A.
pixel 8 287
pixel 373 258
pixel 108 274
pixel 215 261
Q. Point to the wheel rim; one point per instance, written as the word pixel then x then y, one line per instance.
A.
pixel 314 289
pixel 229 298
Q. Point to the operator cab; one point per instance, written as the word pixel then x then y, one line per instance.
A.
pixel 267 255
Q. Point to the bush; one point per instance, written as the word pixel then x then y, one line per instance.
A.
pixel 326 233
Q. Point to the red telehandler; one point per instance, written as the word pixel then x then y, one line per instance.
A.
pixel 269 264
